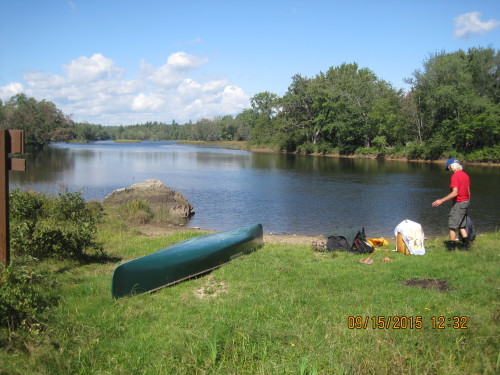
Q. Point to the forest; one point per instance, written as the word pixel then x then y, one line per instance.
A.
pixel 451 108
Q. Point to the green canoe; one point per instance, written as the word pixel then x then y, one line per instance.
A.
pixel 184 260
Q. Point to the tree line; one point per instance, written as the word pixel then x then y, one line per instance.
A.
pixel 452 107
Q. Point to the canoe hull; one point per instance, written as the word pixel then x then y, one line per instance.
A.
pixel 184 260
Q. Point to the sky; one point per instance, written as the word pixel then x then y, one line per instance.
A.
pixel 120 62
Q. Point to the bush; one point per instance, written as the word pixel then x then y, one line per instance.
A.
pixel 487 154
pixel 326 148
pixel 26 206
pixel 364 151
pixel 379 143
pixel 25 295
pixel 415 150
pixel 437 147
pixel 63 227
pixel 306 148
pixel 136 211
pixel 347 149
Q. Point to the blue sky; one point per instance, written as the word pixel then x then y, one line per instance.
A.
pixel 131 61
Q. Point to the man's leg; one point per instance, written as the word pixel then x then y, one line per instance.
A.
pixel 456 223
pixel 465 238
pixel 452 243
pixel 453 235
pixel 455 218
pixel 463 233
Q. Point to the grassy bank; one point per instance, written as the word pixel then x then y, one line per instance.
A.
pixel 236 145
pixel 284 309
pixel 490 156
pixel 127 141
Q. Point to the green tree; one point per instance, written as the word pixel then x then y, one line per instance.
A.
pixel 484 67
pixel 456 96
pixel 386 117
pixel 205 130
pixel 299 111
pixel 243 123
pixel 42 121
pixel 345 107
pixel 265 106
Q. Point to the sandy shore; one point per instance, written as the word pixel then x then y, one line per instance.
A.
pixel 159 230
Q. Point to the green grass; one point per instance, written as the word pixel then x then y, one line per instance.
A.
pixel 283 309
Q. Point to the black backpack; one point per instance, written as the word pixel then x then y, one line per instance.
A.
pixel 348 239
pixel 470 228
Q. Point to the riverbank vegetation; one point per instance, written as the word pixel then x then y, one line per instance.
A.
pixel 282 309
pixel 451 108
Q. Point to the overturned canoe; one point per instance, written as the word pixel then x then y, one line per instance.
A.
pixel 184 260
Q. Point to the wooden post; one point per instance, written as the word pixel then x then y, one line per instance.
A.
pixel 11 141
pixel 4 199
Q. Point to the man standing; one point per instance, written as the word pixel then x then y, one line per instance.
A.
pixel 460 195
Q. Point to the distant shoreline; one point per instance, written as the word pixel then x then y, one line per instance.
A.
pixel 243 145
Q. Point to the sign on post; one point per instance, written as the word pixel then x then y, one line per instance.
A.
pixel 11 142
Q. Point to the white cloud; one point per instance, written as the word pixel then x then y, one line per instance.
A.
pixel 469 23
pixel 171 74
pixel 144 103
pixel 85 69
pixel 94 89
pixel 182 60
pixel 234 98
pixel 214 86
pixel 44 81
pixel 8 91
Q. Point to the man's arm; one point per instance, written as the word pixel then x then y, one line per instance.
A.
pixel 453 194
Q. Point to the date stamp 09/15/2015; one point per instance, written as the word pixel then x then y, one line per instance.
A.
pixel 407 322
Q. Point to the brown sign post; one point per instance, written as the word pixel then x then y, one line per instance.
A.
pixel 11 142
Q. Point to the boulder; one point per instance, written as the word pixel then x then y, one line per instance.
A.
pixel 167 206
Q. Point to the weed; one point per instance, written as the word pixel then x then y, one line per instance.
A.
pixel 25 295
pixel 136 211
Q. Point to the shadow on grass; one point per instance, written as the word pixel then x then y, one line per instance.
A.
pixel 99 258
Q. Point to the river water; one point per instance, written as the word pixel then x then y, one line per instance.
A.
pixel 304 195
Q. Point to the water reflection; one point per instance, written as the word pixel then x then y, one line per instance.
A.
pixel 286 193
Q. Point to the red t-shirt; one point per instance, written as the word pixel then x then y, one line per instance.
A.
pixel 461 180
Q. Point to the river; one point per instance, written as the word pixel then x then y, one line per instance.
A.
pixel 292 194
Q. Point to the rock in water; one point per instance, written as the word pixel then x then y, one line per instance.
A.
pixel 167 205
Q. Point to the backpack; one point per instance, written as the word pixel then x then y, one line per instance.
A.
pixel 348 239
pixel 470 228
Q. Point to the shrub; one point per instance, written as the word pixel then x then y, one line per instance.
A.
pixel 347 149
pixel 326 148
pixel 306 148
pixel 136 211
pixel 415 150
pixel 379 143
pixel 363 151
pixel 25 295
pixel 27 205
pixel 437 147
pixel 63 227
pixel 487 154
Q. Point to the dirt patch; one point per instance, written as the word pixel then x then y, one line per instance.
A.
pixel 436 284
pixel 157 230
pixel 211 289
pixel 292 239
